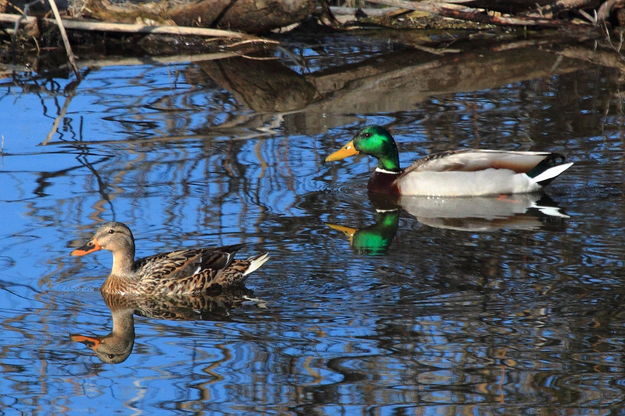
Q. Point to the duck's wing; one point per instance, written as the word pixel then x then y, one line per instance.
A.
pixel 184 263
pixel 235 273
pixel 471 160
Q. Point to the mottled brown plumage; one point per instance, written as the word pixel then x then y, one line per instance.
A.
pixel 182 272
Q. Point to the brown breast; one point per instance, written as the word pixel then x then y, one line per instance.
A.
pixel 384 183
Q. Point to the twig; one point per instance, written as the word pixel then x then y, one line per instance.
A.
pixel 591 19
pixel 57 120
pixel 253 40
pixel 68 47
pixel 259 58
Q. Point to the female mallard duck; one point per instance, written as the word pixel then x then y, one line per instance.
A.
pixel 469 172
pixel 182 272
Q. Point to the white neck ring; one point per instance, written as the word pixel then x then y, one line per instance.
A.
pixel 390 172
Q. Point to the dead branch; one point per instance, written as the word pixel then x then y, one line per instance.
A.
pixel 138 28
pixel 68 46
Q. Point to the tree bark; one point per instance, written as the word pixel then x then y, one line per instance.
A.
pixel 250 16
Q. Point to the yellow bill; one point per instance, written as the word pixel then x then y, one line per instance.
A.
pixel 348 231
pixel 345 151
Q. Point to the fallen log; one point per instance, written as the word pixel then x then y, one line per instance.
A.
pixel 251 16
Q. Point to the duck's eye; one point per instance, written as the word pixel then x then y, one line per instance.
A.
pixel 111 231
pixel 111 356
pixel 367 135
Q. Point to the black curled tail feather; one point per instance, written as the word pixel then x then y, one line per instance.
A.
pixel 552 160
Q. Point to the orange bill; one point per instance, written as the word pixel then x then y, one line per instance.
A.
pixel 90 247
pixel 345 151
pixel 91 342
pixel 348 231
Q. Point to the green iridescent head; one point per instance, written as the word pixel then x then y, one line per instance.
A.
pixel 375 141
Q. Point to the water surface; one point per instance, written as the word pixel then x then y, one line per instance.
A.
pixel 498 313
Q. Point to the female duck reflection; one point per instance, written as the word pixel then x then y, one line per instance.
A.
pixel 115 347
pixel 471 214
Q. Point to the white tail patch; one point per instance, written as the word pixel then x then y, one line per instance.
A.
pixel 256 262
pixel 550 211
pixel 257 301
pixel 551 172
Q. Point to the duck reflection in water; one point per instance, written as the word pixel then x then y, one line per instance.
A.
pixel 374 239
pixel 471 214
pixel 474 214
pixel 116 347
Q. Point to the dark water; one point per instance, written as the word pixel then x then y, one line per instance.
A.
pixel 509 311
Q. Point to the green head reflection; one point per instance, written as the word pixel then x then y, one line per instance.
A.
pixel 374 239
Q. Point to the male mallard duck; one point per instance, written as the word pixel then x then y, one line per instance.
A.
pixel 182 272
pixel 469 172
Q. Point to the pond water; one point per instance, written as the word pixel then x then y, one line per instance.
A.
pixel 442 308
